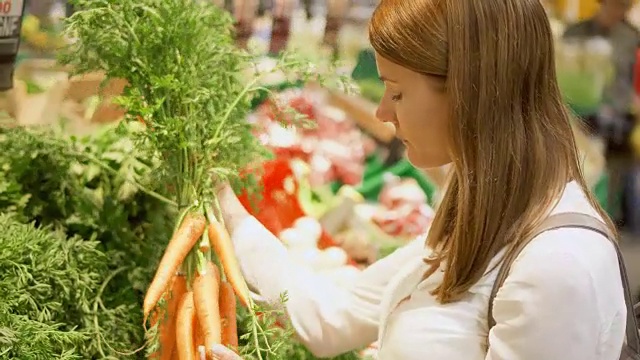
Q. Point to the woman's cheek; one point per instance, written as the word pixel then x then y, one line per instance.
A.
pixel 407 120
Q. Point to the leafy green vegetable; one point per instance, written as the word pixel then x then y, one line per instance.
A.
pixel 48 179
pixel 51 180
pixel 48 285
pixel 33 87
pixel 184 82
pixel 272 329
pixel 182 68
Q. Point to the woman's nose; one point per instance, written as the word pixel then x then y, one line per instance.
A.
pixel 385 113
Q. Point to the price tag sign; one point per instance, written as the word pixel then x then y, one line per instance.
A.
pixel 10 15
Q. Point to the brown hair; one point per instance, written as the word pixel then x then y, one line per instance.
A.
pixel 512 146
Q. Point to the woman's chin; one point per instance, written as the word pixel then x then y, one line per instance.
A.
pixel 427 162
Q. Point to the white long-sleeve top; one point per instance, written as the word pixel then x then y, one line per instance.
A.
pixel 562 300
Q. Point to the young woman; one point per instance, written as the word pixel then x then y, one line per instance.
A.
pixel 471 84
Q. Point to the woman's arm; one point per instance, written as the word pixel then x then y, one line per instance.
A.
pixel 328 319
pixel 562 300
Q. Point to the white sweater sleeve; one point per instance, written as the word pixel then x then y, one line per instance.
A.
pixel 562 300
pixel 328 319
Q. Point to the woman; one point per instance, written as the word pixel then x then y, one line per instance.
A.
pixel 470 83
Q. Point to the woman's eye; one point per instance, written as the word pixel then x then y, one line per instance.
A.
pixel 396 97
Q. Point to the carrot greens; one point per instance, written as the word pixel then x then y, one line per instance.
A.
pixel 185 84
pixel 192 89
pixel 179 59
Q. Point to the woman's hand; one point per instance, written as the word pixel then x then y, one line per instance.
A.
pixel 221 352
pixel 233 212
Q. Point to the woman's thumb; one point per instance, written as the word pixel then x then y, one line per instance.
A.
pixel 221 352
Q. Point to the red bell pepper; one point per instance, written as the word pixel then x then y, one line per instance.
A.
pixel 279 207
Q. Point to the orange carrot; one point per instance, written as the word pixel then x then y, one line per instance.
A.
pixel 184 328
pixel 205 244
pixel 198 338
pixel 204 247
pixel 217 274
pixel 155 317
pixel 228 315
pixel 206 295
pixel 158 319
pixel 187 235
pixel 223 248
pixel 168 327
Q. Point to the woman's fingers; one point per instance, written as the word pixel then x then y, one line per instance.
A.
pixel 225 192
pixel 221 352
pixel 233 212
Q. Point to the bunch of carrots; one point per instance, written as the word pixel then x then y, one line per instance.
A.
pixel 200 301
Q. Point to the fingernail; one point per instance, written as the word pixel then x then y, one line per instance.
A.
pixel 219 349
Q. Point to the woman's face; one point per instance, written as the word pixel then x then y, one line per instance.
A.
pixel 417 106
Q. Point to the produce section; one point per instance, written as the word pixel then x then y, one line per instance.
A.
pixel 109 141
pixel 95 203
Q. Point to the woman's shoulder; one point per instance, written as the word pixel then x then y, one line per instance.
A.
pixel 569 250
pixel 564 277
pixel 569 258
pixel 569 246
pixel 572 269
pixel 568 265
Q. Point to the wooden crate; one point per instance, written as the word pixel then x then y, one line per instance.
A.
pixel 64 97
pixel 82 87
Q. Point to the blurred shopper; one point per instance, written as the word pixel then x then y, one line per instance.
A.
pixel 281 13
pixel 470 84
pixel 244 12
pixel 308 8
pixel 614 121
pixel 336 14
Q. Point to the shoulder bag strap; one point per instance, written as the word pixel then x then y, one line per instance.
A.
pixel 572 220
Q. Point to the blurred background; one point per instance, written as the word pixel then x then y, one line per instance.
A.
pixel 351 175
pixel 81 237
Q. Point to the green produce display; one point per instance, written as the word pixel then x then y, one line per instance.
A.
pixel 601 192
pixel 373 178
pixel 80 245
pixel 261 96
pixel 584 70
pixel 194 98
pixel 366 76
pixel 49 285
pixel 87 279
pixel 374 182
pixel 372 90
pixel 366 68
pixel 581 90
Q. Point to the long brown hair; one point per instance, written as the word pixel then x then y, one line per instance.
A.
pixel 512 146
